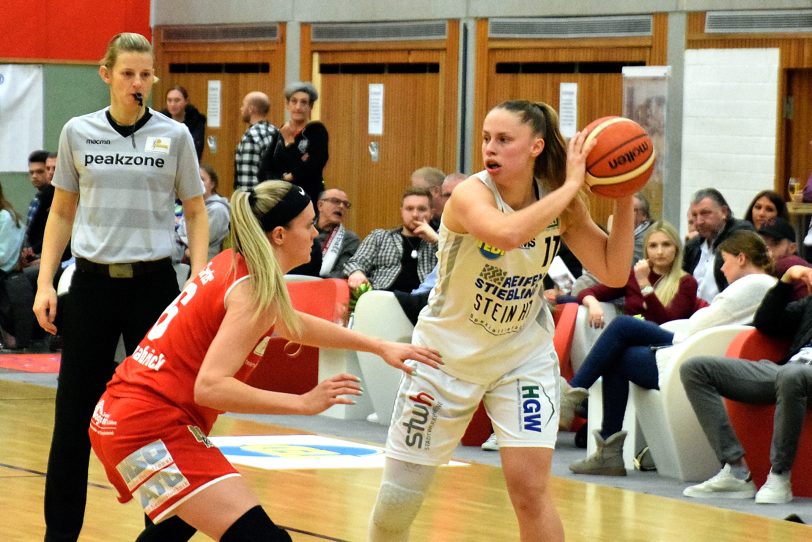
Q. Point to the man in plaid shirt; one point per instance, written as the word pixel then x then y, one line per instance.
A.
pixel 398 258
pixel 260 135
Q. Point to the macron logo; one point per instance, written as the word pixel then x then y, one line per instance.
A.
pixel 97 141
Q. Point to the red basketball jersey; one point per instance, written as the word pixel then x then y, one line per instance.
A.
pixel 165 364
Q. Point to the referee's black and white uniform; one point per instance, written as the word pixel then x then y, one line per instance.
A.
pixel 126 180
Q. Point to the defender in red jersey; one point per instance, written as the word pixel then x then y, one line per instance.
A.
pixel 150 427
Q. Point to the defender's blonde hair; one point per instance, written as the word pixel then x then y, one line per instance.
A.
pixel 249 239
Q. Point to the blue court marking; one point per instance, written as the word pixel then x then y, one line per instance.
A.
pixel 328 450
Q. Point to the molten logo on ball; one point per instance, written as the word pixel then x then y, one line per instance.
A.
pixel 631 156
pixel 622 160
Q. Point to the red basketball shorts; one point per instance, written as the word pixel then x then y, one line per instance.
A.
pixel 151 451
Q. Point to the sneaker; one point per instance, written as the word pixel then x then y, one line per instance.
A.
pixel 776 490
pixel 491 445
pixel 724 486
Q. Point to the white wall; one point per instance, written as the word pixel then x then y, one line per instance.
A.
pixel 729 124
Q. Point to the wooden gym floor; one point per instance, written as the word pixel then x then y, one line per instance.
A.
pixel 465 504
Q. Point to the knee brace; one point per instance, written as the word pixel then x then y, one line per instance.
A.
pixel 394 511
pixel 255 526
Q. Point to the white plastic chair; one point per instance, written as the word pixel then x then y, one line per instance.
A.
pixel 675 438
pixel 584 336
pixel 378 314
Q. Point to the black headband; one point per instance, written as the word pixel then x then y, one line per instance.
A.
pixel 285 210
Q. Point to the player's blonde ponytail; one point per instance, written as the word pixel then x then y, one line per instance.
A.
pixel 249 239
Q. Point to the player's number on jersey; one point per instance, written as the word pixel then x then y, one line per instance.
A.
pixel 171 311
pixel 551 249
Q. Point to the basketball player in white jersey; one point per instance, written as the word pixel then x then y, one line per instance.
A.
pixel 500 230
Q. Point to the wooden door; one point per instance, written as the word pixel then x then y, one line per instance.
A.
pixel 240 68
pixel 413 132
pixel 797 129
pixel 519 75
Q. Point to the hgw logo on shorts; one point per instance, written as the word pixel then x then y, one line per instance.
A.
pixel 424 414
pixel 531 408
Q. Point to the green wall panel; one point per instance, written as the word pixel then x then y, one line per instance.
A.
pixel 70 90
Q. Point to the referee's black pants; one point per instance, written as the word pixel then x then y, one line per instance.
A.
pixel 97 310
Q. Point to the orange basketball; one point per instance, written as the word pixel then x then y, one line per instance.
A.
pixel 623 159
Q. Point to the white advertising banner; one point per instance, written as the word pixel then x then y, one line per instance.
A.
pixel 21 114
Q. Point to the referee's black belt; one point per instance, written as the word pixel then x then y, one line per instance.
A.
pixel 123 270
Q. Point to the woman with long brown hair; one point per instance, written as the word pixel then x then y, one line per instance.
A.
pixel 499 232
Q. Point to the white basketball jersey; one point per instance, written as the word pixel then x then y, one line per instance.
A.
pixel 487 313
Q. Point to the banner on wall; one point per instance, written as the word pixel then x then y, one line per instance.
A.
pixel 645 98
pixel 21 114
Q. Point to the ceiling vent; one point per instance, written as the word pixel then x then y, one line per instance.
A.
pixel 758 22
pixel 399 31
pixel 571 27
pixel 220 33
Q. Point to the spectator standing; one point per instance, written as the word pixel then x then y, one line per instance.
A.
pixel 179 108
pixel 302 153
pixel 122 221
pixel 260 136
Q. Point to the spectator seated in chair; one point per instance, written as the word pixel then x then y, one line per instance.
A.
pixel 787 384
pixel 779 235
pixel 335 244
pixel 399 258
pixel 626 351
pixel 658 290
